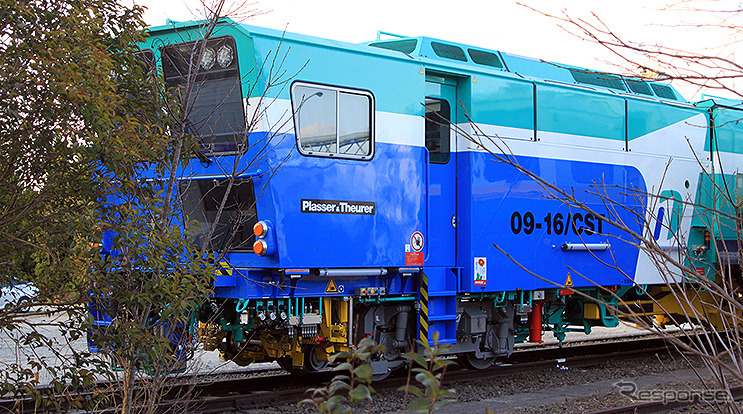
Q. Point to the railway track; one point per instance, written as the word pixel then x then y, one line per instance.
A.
pixel 660 406
pixel 208 395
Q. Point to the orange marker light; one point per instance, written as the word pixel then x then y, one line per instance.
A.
pixel 260 247
pixel 260 229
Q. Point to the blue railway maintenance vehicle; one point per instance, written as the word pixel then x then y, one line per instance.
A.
pixel 410 185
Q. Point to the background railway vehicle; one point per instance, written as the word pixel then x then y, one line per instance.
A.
pixel 363 197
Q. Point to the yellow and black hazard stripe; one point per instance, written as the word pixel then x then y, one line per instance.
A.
pixel 423 334
pixel 224 269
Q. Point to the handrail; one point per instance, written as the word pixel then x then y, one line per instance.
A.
pixel 573 247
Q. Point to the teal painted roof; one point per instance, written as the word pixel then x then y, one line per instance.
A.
pixel 710 101
pixel 461 56
pixel 457 53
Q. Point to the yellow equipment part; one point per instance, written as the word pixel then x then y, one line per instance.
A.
pixel 211 336
pixel 591 311
pixel 332 336
pixel 690 306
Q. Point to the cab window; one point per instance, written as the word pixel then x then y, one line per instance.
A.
pixel 438 115
pixel 333 121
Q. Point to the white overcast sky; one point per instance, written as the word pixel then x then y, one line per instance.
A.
pixel 505 25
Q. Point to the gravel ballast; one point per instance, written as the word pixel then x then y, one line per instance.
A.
pixel 557 390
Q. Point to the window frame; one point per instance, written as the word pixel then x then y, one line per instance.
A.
pixel 174 59
pixel 338 90
pixel 246 246
pixel 481 54
pixel 445 143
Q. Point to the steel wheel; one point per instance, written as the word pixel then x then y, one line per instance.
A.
pixel 235 353
pixel 471 361
pixel 312 363
pixel 242 359
pixel 382 376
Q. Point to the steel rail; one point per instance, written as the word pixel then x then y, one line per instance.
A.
pixel 660 406
pixel 205 395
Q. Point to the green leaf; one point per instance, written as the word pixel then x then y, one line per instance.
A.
pixel 418 359
pixel 427 380
pixel 412 389
pixel 340 355
pixel 335 386
pixel 419 404
pixel 364 372
pixel 344 367
pixel 361 392
pixel 341 378
pixel 363 355
pixel 440 363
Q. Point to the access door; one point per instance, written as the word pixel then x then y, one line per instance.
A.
pixel 441 137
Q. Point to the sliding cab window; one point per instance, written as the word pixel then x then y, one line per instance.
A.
pixel 333 122
pixel 438 119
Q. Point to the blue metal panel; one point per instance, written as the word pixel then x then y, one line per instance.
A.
pixel 394 180
pixel 442 187
pixel 262 284
pixel 501 200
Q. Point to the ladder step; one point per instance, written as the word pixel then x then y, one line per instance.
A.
pixel 446 293
pixel 434 318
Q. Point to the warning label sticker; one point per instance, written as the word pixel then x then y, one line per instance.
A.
pixel 332 287
pixel 416 241
pixel 414 259
pixel 481 271
pixel 569 281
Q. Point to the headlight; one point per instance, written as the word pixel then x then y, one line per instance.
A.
pixel 207 58
pixel 224 56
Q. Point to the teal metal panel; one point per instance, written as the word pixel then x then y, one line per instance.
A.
pixel 566 110
pixel 714 208
pixel 647 116
pixel 728 130
pixel 504 102
pixel 398 85
pixel 537 69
